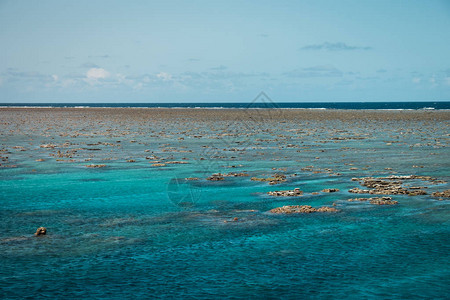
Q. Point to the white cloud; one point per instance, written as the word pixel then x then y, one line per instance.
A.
pixel 96 73
pixel 55 77
pixel 123 79
pixel 416 80
pixel 164 76
pixel 447 80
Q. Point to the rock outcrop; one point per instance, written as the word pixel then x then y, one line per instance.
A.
pixel 376 200
pixel 158 165
pixel 275 179
pixel 286 193
pixel 215 177
pixel 235 174
pixel 445 194
pixel 41 231
pixel 301 209
pixel 330 190
pixel 391 185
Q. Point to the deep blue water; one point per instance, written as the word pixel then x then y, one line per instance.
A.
pixel 134 230
pixel 258 104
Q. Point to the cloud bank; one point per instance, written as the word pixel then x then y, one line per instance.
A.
pixel 97 73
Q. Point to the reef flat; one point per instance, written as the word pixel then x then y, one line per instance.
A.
pixel 224 202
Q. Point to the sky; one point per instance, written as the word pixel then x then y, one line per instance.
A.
pixel 224 51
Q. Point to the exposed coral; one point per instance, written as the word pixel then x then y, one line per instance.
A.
pixel 287 193
pixel 301 209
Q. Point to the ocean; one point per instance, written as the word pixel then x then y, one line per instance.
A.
pixel 132 208
pixel 426 105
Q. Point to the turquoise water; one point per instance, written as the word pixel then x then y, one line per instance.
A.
pixel 132 230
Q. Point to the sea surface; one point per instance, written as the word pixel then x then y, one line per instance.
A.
pixel 135 227
pixel 257 103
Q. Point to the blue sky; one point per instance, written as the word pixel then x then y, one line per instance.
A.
pixel 220 51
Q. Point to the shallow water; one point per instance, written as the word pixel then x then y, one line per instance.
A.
pixel 131 229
